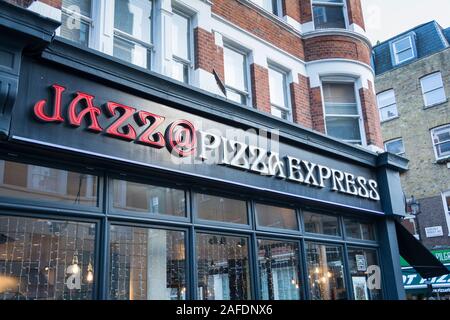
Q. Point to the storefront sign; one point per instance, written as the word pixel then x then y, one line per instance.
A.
pixel 412 280
pixel 433 232
pixel 60 110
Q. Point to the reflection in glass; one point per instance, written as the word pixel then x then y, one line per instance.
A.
pixel 221 209
pixel 223 267
pixel 359 260
pixel 146 198
pixel 361 230
pixel 276 217
pixel 325 272
pixel 147 264
pixel 31 182
pixel 279 271
pixel 46 259
pixel 321 224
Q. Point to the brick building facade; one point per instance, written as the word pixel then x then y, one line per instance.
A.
pixel 305 44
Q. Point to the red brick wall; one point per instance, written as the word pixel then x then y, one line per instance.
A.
pixel 259 25
pixel 208 56
pixel 20 3
pixel 317 115
pixel 301 102
pixel 355 13
pixel 260 87
pixel 336 47
pixel 292 9
pixel 306 11
pixel 371 116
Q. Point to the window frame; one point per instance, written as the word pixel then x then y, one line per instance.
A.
pixel 394 53
pixel 330 4
pixel 359 116
pixel 445 195
pixel 401 154
pixel 286 92
pixel 297 212
pixel 88 20
pixel 177 10
pixel 436 144
pixel 278 8
pixel 424 94
pixel 387 106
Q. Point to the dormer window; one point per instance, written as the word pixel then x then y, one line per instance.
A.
pixel 403 50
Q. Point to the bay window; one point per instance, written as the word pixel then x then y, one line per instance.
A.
pixel 279 100
pixel 329 14
pixel 433 89
pixel 76 21
pixel 181 47
pixel 235 65
pixel 441 141
pixel 342 117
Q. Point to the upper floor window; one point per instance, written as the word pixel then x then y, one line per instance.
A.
pixel 441 141
pixel 273 6
pixel 235 65
pixel 279 94
pixel 181 46
pixel 329 14
pixel 387 105
pixel 342 117
pixel 132 31
pixel 76 21
pixel 433 89
pixel 395 146
pixel 403 50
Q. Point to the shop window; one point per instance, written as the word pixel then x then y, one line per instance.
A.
pixel 236 70
pixel 441 141
pixel 279 99
pixel 76 21
pixel 395 146
pixel 223 267
pixel 329 14
pixel 403 49
pixel 342 117
pixel 360 230
pixel 133 31
pixel 145 198
pixel 279 270
pixel 276 217
pixel 360 261
pixel 147 264
pixel 32 182
pixel 325 272
pixel 44 259
pixel 321 224
pixel 221 209
pixel 387 105
pixel 433 89
pixel 181 38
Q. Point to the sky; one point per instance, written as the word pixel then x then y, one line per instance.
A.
pixel 387 18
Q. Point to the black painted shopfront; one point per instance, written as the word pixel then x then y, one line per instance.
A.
pixel 117 183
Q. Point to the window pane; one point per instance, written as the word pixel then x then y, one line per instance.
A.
pixel 321 224
pixel 147 264
pixel 388 112
pixel 325 272
pixel 234 63
pixel 444 149
pixel 435 97
pixel 134 18
pixel 386 98
pixel 441 134
pixel 343 128
pixel 432 82
pixel 277 112
pixel 339 92
pixel 46 259
pixel 221 209
pixel 359 260
pixel 146 198
pixel 75 29
pixel 359 230
pixel 269 5
pixel 131 52
pixel 328 16
pixel 223 267
pixel 276 217
pixel 180 71
pixel 395 147
pixel 236 97
pixel 277 85
pixel 402 45
pixel 341 109
pixel 32 182
pixel 180 36
pixel 405 55
pixel 82 7
pixel 279 270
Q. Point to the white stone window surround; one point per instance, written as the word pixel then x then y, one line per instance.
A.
pixel 445 196
pixel 445 127
pixel 402 153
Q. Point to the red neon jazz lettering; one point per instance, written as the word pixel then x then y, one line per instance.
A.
pixel 145 138
pixel 126 112
pixel 91 111
pixel 40 105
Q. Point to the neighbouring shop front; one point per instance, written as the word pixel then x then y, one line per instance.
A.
pixel 119 184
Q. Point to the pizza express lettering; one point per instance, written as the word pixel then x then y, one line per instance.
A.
pixel 182 139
